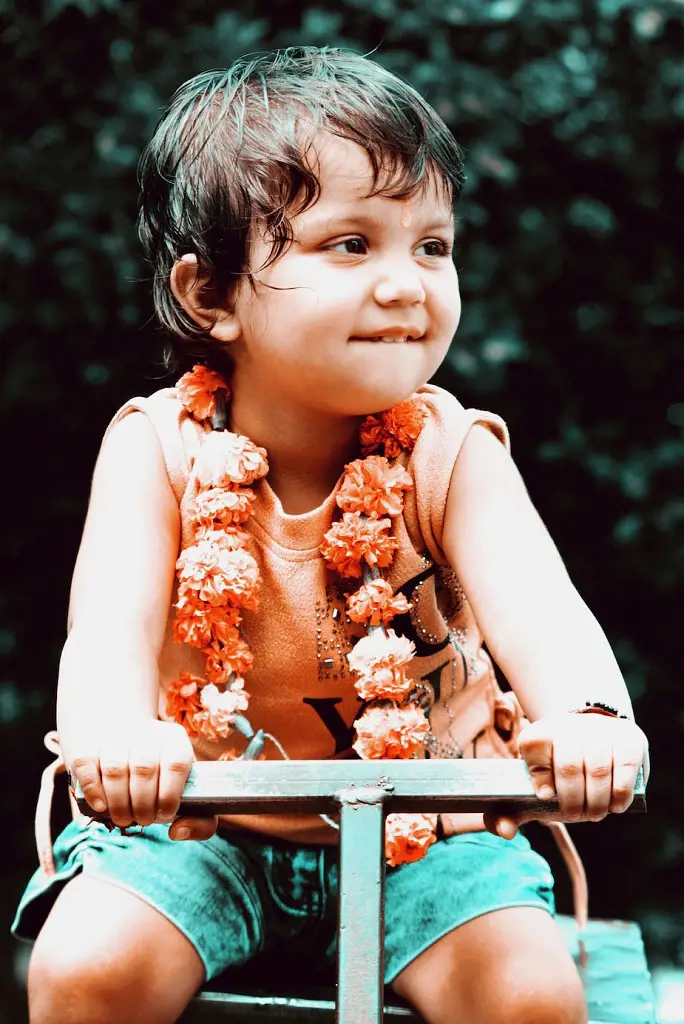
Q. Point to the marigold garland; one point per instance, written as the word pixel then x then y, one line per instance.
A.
pixel 218 577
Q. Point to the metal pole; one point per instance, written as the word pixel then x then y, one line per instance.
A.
pixel 360 984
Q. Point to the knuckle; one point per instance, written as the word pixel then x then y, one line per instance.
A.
pixel 568 770
pixel 622 792
pixel 114 771
pixel 178 766
pixel 600 770
pixel 167 809
pixel 120 818
pixel 89 784
pixel 145 770
pixel 144 816
pixel 621 800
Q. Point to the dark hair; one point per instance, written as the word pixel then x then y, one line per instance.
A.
pixel 231 151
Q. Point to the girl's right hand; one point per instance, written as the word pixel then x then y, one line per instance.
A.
pixel 137 776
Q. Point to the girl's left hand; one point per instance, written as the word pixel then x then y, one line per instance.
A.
pixel 590 761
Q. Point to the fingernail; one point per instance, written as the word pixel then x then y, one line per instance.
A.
pixel 98 805
pixel 181 833
pixel 546 793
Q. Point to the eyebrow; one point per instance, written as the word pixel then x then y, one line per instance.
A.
pixel 329 221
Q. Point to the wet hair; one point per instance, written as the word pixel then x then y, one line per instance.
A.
pixel 234 149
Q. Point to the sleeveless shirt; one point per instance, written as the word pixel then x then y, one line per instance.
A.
pixel 301 689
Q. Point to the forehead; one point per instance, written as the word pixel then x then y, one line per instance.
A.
pixel 345 176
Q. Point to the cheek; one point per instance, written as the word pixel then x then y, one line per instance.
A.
pixel 450 303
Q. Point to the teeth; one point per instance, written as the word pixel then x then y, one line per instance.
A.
pixel 395 340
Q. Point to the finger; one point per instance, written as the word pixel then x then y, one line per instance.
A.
pixel 536 747
pixel 143 768
pixel 646 761
pixel 193 828
pixel 87 770
pixel 598 778
pixel 568 771
pixel 626 764
pixel 174 766
pixel 115 780
pixel 506 827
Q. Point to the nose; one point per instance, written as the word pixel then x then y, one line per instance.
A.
pixel 400 283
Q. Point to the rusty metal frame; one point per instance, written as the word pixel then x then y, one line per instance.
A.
pixel 362 793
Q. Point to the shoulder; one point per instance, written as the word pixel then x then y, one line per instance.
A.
pixel 448 421
pixel 163 417
pixel 448 426
pixel 163 403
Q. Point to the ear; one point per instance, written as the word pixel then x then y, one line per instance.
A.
pixel 191 286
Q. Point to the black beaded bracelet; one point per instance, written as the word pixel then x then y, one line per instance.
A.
pixel 598 705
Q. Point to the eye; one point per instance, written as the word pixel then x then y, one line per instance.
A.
pixel 357 239
pixel 445 247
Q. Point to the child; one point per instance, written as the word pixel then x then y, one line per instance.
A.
pixel 332 511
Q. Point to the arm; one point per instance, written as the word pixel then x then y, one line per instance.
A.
pixel 541 633
pixel 537 627
pixel 107 697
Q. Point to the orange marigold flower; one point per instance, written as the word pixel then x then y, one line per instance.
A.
pixel 229 460
pixel 380 662
pixel 373 487
pixel 231 657
pixel 215 720
pixel 182 697
pixel 394 430
pixel 391 732
pixel 373 603
pixel 196 391
pixel 219 507
pixel 218 576
pixel 354 538
pixel 408 837
pixel 198 623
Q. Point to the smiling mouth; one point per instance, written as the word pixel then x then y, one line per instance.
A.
pixel 388 341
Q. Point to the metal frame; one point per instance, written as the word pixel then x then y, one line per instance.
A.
pixel 362 793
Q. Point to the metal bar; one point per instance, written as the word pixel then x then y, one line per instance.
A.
pixel 361 906
pixel 430 785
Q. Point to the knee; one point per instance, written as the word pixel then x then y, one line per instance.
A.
pixel 65 988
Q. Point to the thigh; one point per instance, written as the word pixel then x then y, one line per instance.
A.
pixel 460 879
pixel 207 890
pixel 508 966
pixel 104 954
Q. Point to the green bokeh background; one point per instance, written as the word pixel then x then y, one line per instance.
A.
pixel 571 113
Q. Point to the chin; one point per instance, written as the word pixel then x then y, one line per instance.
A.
pixel 369 400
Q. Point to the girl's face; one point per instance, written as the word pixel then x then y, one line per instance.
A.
pixel 358 269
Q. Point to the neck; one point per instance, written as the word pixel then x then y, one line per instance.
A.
pixel 307 452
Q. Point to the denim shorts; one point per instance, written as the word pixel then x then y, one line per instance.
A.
pixel 239 895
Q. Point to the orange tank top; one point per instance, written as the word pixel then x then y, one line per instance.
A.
pixel 301 689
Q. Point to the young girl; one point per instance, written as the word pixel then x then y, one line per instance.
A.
pixel 300 550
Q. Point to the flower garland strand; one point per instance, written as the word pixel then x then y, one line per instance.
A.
pixel 217 577
pixel 392 725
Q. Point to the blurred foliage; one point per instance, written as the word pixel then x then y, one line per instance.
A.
pixel 570 112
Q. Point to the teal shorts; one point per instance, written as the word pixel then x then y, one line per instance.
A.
pixel 239 895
